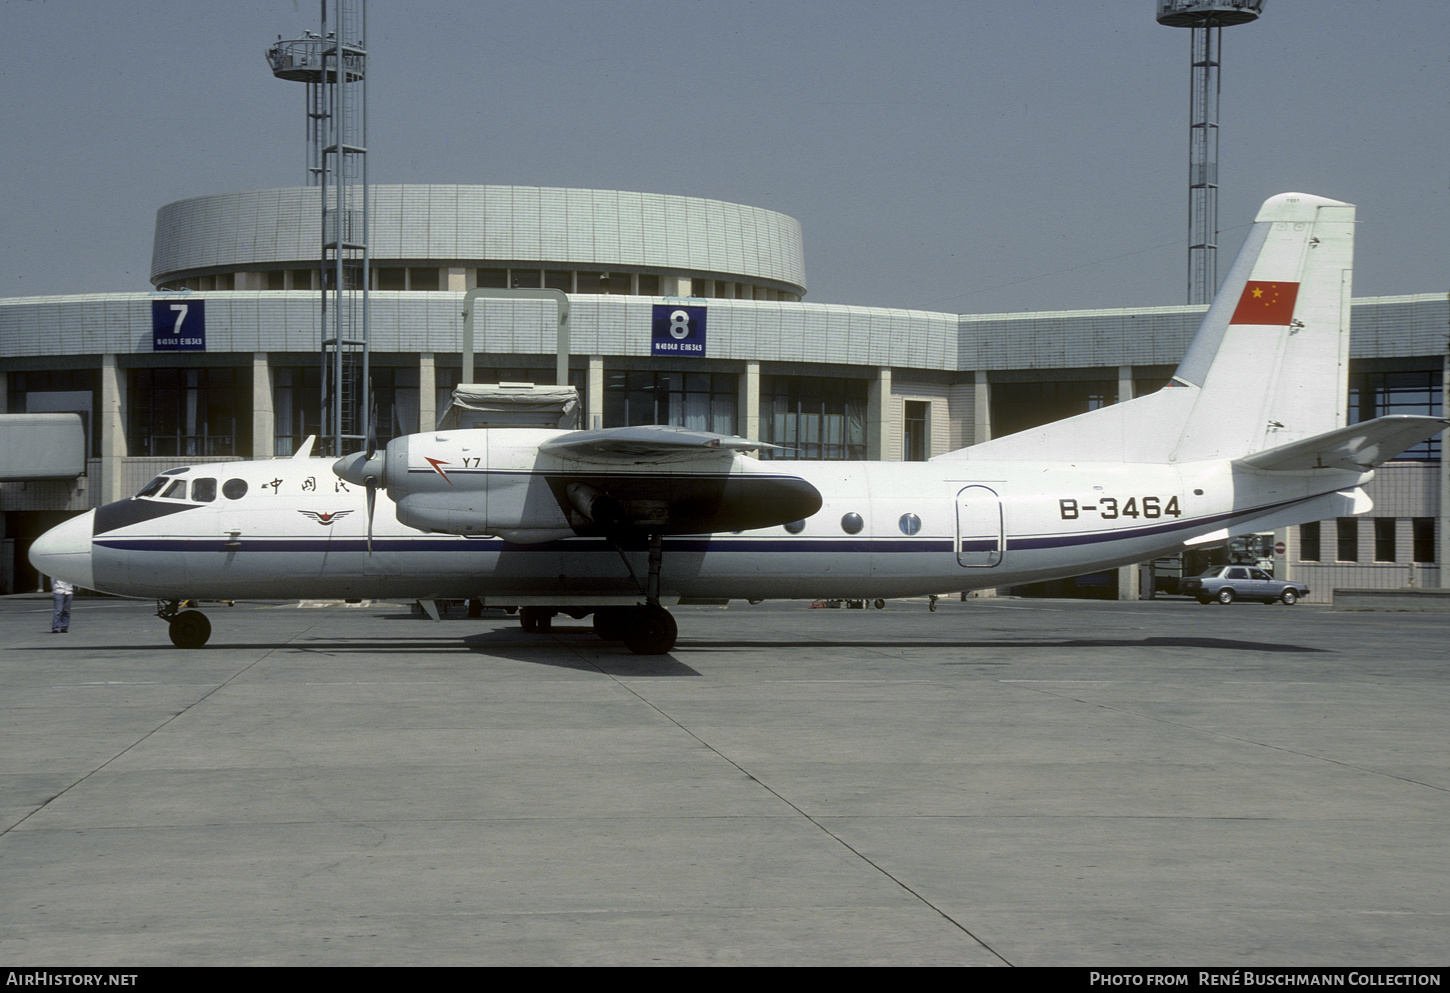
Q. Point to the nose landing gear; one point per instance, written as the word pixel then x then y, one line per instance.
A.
pixel 188 628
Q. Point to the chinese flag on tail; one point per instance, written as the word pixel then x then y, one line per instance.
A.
pixel 1266 303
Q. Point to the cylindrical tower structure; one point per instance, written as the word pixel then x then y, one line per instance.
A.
pixel 1207 18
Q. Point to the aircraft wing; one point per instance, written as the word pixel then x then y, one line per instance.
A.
pixel 646 445
pixel 1358 447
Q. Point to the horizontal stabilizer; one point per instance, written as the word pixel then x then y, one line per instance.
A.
pixel 1359 447
pixel 646 444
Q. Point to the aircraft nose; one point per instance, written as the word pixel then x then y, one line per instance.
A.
pixel 65 551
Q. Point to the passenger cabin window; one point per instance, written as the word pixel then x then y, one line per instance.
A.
pixel 203 490
pixel 234 489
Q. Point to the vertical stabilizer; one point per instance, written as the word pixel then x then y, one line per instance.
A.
pixel 1270 362
pixel 1268 367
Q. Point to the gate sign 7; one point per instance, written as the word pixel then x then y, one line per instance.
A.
pixel 178 325
pixel 677 330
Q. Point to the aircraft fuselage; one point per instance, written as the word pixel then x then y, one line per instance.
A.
pixel 883 530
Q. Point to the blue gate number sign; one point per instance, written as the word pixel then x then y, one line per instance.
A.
pixel 677 330
pixel 178 325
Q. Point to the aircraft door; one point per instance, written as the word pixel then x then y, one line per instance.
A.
pixel 980 535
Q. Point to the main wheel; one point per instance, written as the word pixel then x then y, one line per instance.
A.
pixel 189 629
pixel 612 623
pixel 1225 596
pixel 652 631
pixel 1289 598
pixel 536 620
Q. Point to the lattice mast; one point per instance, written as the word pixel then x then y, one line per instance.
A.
pixel 333 64
pixel 1207 19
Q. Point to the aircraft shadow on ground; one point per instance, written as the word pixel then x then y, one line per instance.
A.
pixel 610 658
pixel 1031 644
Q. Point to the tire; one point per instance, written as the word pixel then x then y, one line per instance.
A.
pixel 652 631
pixel 189 629
pixel 1289 597
pixel 612 623
pixel 1225 596
pixel 880 604
pixel 536 620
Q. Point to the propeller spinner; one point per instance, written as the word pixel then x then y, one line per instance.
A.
pixel 364 469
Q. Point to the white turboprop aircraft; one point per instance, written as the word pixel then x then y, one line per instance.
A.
pixel 1250 435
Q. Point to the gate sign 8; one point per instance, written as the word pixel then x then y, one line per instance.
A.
pixel 178 325
pixel 677 330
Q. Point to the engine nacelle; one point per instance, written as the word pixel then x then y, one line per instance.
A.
pixel 499 482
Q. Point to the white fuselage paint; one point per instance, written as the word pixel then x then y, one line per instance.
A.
pixel 298 532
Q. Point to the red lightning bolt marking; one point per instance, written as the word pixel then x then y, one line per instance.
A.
pixel 435 463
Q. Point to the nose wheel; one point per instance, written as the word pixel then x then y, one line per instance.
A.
pixel 187 628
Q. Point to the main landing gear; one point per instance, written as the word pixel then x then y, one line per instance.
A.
pixel 188 628
pixel 646 629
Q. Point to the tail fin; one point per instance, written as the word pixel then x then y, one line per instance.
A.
pixel 1268 367
pixel 1271 358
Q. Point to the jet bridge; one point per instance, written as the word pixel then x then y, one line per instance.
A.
pixel 41 446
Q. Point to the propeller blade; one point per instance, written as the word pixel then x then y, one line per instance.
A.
pixel 372 485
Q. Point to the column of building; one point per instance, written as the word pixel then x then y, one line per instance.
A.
pixel 111 423
pixel 264 413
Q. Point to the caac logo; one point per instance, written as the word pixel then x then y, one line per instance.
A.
pixel 324 519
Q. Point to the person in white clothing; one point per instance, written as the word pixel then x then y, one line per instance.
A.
pixel 60 619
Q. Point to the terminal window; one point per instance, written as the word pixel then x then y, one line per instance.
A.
pixel 915 428
pixel 701 401
pixel 297 402
pixel 1384 539
pixel 1417 391
pixel 813 418
pixel 1019 406
pixel 186 412
pixel 1422 536
pixel 1309 542
pixel 1347 535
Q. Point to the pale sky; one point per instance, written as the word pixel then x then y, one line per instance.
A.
pixel 973 156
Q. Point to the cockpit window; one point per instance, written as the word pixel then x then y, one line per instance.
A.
pixel 203 490
pixel 234 489
pixel 176 491
pixel 151 488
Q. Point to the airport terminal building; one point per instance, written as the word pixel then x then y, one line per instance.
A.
pixel 239 273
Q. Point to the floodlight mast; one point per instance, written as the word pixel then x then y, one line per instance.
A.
pixel 333 63
pixel 1207 18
